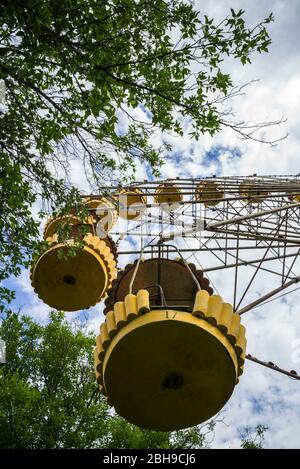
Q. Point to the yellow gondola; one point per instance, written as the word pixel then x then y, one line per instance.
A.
pixel 104 211
pixel 252 192
pixel 209 193
pixel 168 196
pixel 53 223
pixel 73 281
pixel 132 203
pixel 167 362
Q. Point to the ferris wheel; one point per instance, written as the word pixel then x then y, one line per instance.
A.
pixel 172 347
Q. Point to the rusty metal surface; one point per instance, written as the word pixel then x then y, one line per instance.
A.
pixel 173 276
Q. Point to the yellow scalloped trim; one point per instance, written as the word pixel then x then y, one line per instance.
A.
pixel 50 227
pixel 220 314
pixel 208 307
pixel 103 202
pixel 105 253
pixel 97 245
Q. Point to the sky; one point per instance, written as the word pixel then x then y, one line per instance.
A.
pixel 262 396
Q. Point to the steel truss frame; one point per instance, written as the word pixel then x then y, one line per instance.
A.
pixel 230 232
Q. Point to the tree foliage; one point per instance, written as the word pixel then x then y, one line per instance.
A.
pixel 253 438
pixel 49 396
pixel 74 70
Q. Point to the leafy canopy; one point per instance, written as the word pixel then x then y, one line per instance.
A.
pixel 49 396
pixel 75 70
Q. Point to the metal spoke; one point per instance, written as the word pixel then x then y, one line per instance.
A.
pixel 247 234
